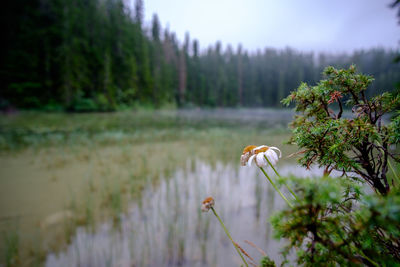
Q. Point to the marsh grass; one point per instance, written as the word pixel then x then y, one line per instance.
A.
pixel 33 129
pixel 11 245
pixel 116 202
pixel 92 165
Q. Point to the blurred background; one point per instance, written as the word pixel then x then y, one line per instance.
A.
pixel 112 55
pixel 119 117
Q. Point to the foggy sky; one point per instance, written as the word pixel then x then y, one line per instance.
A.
pixel 318 25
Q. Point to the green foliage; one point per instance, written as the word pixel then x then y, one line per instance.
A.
pixel 334 223
pixel 84 105
pixel 267 262
pixel 358 143
pixel 395 129
pixel 11 253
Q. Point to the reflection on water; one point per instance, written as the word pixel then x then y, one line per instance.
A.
pixel 167 228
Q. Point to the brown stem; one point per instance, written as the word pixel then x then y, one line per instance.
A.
pixel 339 115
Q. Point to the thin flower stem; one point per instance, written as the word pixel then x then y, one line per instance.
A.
pixel 276 172
pixel 227 233
pixel 276 188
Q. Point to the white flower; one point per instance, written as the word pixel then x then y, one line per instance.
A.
pixel 258 153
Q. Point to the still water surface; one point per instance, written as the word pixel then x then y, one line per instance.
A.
pixel 167 228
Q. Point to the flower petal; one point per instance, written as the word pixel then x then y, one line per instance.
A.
pixel 204 208
pixel 244 158
pixel 260 161
pixel 280 153
pixel 272 156
pixel 250 160
pixel 274 161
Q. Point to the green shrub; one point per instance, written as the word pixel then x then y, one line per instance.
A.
pixel 334 222
pixel 357 145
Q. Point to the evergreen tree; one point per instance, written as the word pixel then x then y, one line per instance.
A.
pixel 98 55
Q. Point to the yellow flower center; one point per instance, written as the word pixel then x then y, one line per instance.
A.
pixel 248 149
pixel 263 149
pixel 208 200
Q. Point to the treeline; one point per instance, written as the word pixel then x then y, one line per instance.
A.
pixel 86 55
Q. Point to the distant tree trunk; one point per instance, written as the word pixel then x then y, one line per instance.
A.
pixel 182 77
pixel 107 82
pixel 281 88
pixel 67 84
pixel 67 61
pixel 240 80
pixel 240 75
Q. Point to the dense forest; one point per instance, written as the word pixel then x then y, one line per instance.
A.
pixel 100 55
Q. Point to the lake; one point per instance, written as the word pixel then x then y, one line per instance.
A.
pixel 167 228
pixel 125 188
